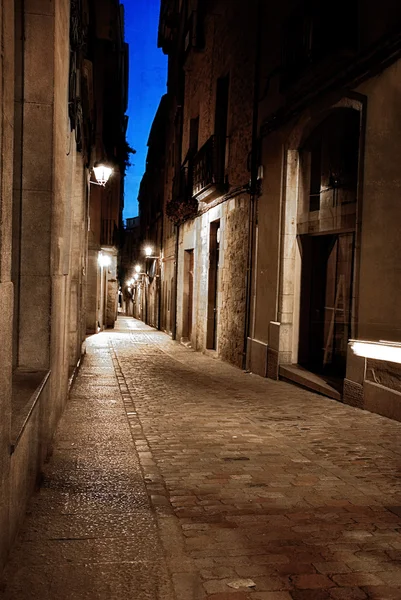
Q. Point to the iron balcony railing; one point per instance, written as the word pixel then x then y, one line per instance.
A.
pixel 208 169
pixel 182 184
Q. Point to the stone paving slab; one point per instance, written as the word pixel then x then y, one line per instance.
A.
pixel 260 480
pixel 90 532
pixel 178 476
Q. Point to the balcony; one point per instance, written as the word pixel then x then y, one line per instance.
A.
pixel 208 170
pixel 182 206
pixel 109 233
pixel 181 185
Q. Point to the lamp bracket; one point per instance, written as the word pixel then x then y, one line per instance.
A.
pixel 96 183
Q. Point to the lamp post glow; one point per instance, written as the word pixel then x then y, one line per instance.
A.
pixel 102 173
pixel 383 350
pixel 137 269
pixel 148 251
pixel 104 260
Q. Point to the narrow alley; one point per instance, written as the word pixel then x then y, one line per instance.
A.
pixel 175 476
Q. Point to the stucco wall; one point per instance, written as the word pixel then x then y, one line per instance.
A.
pixel 378 286
pixel 267 243
pixel 380 269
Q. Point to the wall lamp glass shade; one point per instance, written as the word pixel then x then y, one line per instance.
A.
pixel 148 251
pixel 102 173
pixel 137 269
pixel 104 260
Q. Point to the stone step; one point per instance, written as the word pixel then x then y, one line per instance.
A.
pixel 311 381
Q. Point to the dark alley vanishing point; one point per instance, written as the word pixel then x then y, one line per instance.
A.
pixel 176 476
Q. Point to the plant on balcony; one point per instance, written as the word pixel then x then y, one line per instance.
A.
pixel 180 210
pixel 182 206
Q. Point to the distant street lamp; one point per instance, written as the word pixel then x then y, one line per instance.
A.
pixel 137 269
pixel 149 252
pixel 155 272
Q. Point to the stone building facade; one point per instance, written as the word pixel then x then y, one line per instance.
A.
pixel 128 257
pixel 325 264
pixel 210 93
pixel 150 202
pixel 49 144
pixel 109 55
pixel 281 190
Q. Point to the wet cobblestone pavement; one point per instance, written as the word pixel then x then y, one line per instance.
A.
pixel 177 477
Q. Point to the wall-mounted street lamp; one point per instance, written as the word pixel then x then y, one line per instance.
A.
pixel 382 350
pixel 149 252
pixel 102 173
pixel 138 268
pixel 136 276
pixel 104 260
pixel 154 271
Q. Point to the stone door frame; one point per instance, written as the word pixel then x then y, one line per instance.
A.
pixel 284 332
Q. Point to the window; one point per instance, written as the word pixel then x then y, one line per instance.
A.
pixel 220 122
pixel 315 175
pixel 193 135
pixel 312 33
pixel 330 157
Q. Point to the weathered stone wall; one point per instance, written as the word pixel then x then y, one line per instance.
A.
pixel 229 50
pixel 111 299
pixel 233 218
pixel 167 277
pixel 384 373
pixel 233 280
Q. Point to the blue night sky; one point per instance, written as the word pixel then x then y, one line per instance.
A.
pixel 147 83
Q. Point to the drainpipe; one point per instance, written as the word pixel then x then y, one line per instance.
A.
pixel 253 189
pixel 17 312
pixel 159 297
pixel 174 306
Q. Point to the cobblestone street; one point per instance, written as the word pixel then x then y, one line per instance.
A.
pixel 175 476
